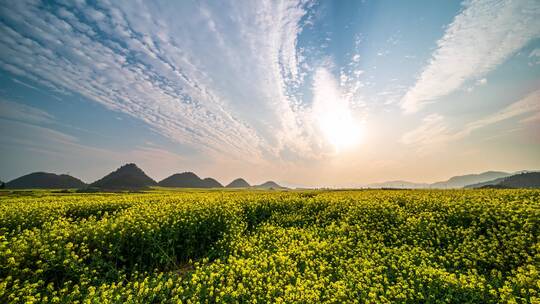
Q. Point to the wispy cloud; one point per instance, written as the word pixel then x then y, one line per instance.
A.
pixel 431 130
pixel 481 37
pixel 435 130
pixel 527 106
pixel 535 57
pixel 44 140
pixel 222 91
pixel 54 145
pixel 20 112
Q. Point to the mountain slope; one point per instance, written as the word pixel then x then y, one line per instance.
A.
pixel 464 180
pixel 189 180
pixel 488 183
pixel 238 183
pixel 523 180
pixel 128 176
pixel 44 180
pixel 270 185
pixel 212 183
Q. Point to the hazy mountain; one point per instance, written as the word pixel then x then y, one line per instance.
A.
pixel 44 180
pixel 126 177
pixel 452 183
pixel 270 185
pixel 464 180
pixel 488 183
pixel 189 180
pixel 399 185
pixel 238 183
pixel 522 180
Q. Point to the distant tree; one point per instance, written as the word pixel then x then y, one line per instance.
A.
pixel 2 185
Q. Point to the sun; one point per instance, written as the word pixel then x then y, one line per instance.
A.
pixel 339 127
pixel 332 112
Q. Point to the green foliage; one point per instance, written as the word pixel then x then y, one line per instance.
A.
pixel 473 246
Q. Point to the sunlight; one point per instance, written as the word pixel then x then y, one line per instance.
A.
pixel 332 113
pixel 339 128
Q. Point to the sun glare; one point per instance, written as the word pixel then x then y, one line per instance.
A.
pixel 339 128
pixel 333 114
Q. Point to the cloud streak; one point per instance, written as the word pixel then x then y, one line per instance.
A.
pixel 211 77
pixel 434 130
pixel 22 136
pixel 480 38
pixel 20 112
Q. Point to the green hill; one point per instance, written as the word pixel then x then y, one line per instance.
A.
pixel 44 180
pixel 238 183
pixel 189 180
pixel 270 185
pixel 127 177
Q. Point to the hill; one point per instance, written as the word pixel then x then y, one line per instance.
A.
pixel 44 180
pixel 454 182
pixel 522 180
pixel 270 185
pixel 238 183
pixel 189 180
pixel 486 184
pixel 464 180
pixel 212 183
pixel 128 176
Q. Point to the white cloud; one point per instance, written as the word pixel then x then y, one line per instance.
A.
pixel 20 112
pixel 479 82
pixel 529 105
pixel 430 131
pixel 64 152
pixel 480 38
pixel 212 76
pixel 44 140
pixel 535 55
pixel 24 84
pixel 435 130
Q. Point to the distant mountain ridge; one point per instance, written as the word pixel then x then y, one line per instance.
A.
pixel 487 183
pixel 464 180
pixel 520 180
pixel 45 180
pixel 523 180
pixel 128 176
pixel 455 182
pixel 189 180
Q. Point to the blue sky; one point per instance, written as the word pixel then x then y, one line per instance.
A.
pixel 333 93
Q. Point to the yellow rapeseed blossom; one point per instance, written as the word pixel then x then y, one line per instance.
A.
pixel 461 246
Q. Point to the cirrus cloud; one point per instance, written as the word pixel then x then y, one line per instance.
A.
pixel 480 38
pixel 212 80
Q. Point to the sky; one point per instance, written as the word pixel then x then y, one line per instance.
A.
pixel 306 93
